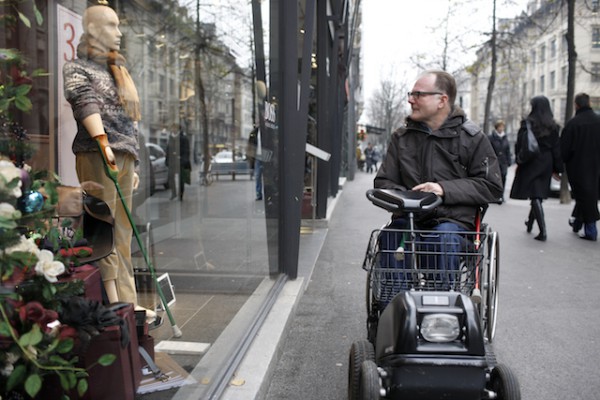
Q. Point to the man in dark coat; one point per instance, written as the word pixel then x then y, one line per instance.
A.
pixel 580 150
pixel 439 151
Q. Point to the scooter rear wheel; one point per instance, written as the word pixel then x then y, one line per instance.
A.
pixel 504 383
pixel 361 350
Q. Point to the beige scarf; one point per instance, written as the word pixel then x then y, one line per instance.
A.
pixel 128 95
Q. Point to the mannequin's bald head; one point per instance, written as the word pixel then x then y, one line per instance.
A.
pixel 101 26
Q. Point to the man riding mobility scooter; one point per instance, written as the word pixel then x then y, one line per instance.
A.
pixel 432 300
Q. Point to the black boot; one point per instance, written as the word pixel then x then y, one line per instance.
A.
pixel 538 212
pixel 529 221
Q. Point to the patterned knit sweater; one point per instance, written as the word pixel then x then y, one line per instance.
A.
pixel 90 88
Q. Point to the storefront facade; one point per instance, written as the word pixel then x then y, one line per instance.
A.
pixel 226 244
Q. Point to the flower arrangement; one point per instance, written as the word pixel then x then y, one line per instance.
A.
pixel 44 322
pixel 36 347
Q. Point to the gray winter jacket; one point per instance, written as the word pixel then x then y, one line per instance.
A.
pixel 458 156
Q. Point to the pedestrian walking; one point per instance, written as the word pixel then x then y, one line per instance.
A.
pixel 501 147
pixel 532 177
pixel 370 158
pixel 178 161
pixel 580 150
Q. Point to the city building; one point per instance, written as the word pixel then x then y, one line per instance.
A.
pixel 532 59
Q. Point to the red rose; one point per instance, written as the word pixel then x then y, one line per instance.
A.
pixel 32 311
pixel 66 331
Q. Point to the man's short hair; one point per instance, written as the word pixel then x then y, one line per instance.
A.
pixel 446 83
pixel 582 100
pixel 498 123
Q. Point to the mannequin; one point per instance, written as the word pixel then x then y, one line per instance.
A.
pixel 105 105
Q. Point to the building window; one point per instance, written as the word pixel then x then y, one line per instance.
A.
pixel 542 83
pixel 595 5
pixel 552 80
pixel 563 76
pixel 596 37
pixel 595 72
pixel 533 87
pixel 553 49
pixel 532 57
pixel 524 90
pixel 543 53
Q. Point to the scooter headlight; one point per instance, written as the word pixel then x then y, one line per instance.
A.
pixel 440 328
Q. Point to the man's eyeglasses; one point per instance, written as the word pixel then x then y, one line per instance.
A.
pixel 419 94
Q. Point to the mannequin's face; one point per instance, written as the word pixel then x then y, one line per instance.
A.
pixel 103 27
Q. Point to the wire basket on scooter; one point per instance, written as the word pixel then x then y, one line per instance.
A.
pixel 399 259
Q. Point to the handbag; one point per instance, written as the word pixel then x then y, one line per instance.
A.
pixel 79 215
pixel 529 148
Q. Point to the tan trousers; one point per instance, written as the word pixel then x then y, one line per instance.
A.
pixel 117 265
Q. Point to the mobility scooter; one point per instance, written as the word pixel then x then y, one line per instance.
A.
pixel 432 300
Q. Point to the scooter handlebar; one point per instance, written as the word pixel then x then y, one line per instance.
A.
pixel 395 200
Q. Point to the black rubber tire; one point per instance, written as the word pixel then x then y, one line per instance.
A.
pixel 360 351
pixel 369 381
pixel 491 310
pixel 504 383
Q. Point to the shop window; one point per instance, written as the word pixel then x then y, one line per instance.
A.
pixel 596 37
pixel 595 71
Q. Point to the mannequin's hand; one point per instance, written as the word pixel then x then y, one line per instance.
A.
pixel 106 150
pixel 136 180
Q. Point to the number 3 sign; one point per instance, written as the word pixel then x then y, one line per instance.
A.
pixel 70 29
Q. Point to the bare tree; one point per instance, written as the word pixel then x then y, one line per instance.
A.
pixel 492 81
pixel 385 108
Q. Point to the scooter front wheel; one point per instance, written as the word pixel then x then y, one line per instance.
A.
pixel 369 381
pixel 361 350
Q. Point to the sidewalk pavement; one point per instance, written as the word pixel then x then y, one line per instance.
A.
pixel 301 352
pixel 260 363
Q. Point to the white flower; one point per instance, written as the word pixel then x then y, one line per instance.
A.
pixel 48 267
pixel 8 172
pixel 26 246
pixel 7 211
pixel 11 359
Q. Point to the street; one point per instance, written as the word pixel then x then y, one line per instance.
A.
pixel 548 316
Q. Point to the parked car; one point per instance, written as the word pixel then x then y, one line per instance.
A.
pixel 224 156
pixel 160 171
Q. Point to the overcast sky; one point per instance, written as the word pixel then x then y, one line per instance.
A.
pixel 395 30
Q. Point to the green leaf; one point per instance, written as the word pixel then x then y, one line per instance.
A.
pixel 23 103
pixel 82 387
pixel 65 346
pixel 64 382
pixel 27 23
pixel 39 18
pixel 4 329
pixel 31 338
pixel 58 360
pixel 22 90
pixel 16 377
pixel 107 359
pixel 33 384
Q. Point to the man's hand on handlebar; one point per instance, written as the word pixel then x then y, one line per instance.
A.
pixel 432 187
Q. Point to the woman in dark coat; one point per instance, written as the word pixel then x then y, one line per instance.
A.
pixel 499 142
pixel 532 179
